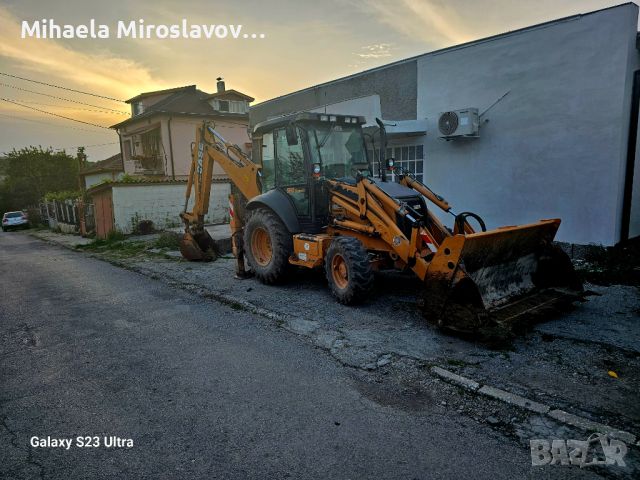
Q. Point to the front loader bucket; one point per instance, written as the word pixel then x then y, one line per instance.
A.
pixel 494 280
pixel 198 246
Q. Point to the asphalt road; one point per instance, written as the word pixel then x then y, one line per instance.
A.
pixel 203 391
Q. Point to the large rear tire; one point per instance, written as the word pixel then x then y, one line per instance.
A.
pixel 267 246
pixel 348 270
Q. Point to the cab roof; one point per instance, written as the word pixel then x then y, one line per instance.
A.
pixel 273 123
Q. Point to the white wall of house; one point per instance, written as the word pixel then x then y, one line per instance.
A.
pixel 183 134
pixel 555 146
pixel 96 178
pixel 162 204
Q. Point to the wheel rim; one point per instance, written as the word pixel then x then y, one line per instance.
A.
pixel 339 271
pixel 261 246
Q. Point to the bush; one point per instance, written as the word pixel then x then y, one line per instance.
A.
pixel 62 196
pixel 143 227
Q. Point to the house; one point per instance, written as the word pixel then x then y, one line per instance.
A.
pixel 93 173
pixel 155 146
pixel 557 123
pixel 156 140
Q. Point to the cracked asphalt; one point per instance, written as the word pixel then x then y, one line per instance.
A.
pixel 208 390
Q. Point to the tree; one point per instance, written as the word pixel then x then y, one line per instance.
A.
pixel 32 172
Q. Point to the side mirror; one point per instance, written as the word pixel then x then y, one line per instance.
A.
pixel 292 135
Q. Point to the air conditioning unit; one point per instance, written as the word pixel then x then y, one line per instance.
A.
pixel 459 123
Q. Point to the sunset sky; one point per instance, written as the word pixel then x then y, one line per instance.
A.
pixel 306 42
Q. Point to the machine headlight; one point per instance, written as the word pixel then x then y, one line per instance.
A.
pixel 316 169
pixel 324 118
pixel 332 118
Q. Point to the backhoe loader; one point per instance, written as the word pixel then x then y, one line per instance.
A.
pixel 307 198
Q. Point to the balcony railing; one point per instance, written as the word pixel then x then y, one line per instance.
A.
pixel 148 164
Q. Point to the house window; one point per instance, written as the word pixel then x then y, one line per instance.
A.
pixel 126 149
pixel 231 106
pixel 407 157
pixel 138 108
pixel 238 106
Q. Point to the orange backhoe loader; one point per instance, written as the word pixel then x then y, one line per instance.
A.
pixel 307 198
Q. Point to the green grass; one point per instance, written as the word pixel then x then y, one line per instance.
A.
pixel 169 240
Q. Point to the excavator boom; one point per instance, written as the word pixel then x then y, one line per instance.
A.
pixel 211 148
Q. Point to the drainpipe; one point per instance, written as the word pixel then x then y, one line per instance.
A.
pixel 173 168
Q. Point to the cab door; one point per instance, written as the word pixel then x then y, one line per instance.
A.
pixel 291 169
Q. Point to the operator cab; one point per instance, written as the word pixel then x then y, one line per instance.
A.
pixel 298 152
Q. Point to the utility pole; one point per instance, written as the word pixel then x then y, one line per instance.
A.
pixel 82 158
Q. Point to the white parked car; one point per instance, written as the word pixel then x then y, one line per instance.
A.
pixel 14 220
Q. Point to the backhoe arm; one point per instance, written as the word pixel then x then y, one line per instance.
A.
pixel 210 148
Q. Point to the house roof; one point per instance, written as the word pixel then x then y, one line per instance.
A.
pixel 183 101
pixel 233 92
pixel 158 92
pixel 111 164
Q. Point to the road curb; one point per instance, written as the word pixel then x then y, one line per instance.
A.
pixel 533 406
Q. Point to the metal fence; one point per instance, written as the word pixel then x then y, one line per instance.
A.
pixel 68 215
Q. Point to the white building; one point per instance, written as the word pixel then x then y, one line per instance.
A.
pixel 558 105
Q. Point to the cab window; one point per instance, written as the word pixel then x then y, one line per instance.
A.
pixel 268 163
pixel 289 160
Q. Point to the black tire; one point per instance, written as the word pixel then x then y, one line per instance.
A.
pixel 274 269
pixel 358 282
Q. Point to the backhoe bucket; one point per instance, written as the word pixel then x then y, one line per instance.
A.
pixel 198 246
pixel 496 280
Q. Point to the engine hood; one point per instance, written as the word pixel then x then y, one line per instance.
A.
pixel 395 190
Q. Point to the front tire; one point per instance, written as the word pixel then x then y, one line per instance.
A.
pixel 267 246
pixel 348 270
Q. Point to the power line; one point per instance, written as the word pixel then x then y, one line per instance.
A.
pixel 51 124
pixel 69 106
pixel 62 88
pixel 54 114
pixel 86 146
pixel 62 98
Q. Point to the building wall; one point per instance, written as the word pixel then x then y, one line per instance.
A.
pixel 162 204
pixel 183 131
pixel 96 178
pixel 395 84
pixel 555 146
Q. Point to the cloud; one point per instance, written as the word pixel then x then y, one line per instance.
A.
pixel 100 72
pixel 377 50
pixel 426 20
